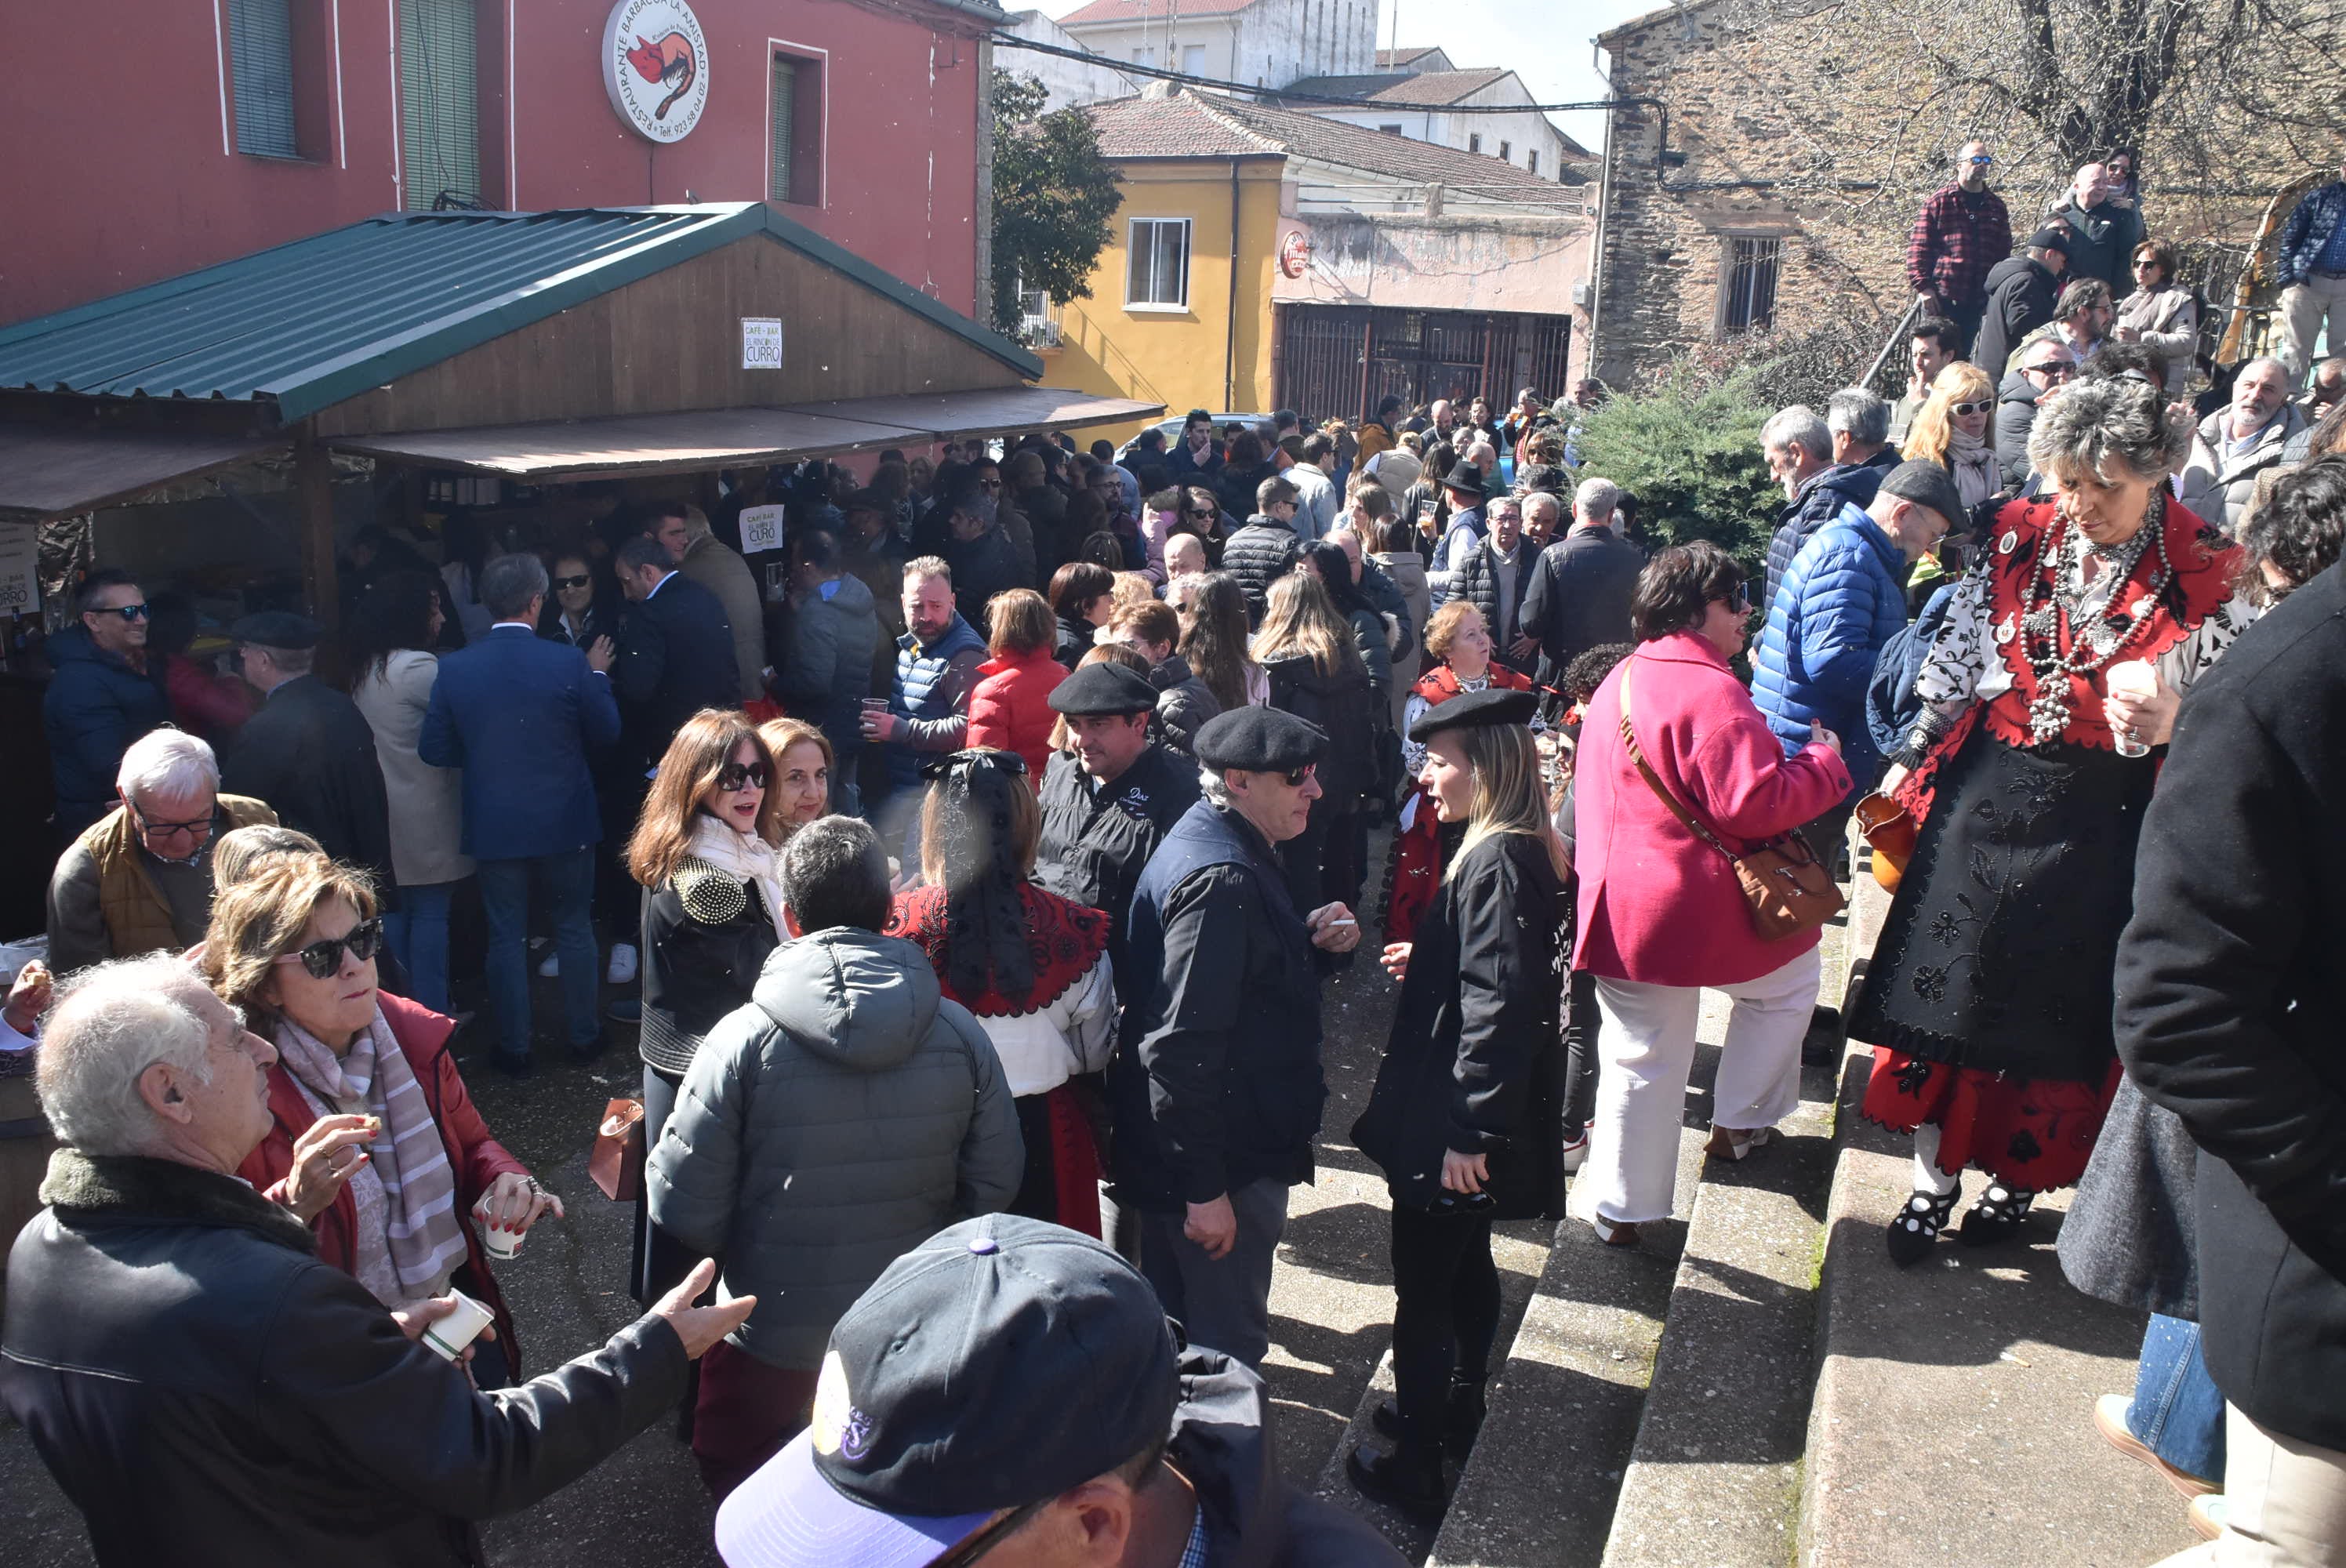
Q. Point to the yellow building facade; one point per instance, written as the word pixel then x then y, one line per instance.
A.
pixel 1180 308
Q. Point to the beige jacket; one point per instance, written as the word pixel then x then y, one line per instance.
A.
pixel 717 568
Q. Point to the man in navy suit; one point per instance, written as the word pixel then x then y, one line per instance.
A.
pixel 676 647
pixel 520 714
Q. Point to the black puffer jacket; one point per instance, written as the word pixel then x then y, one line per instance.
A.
pixel 2020 295
pixel 1258 556
pixel 1340 703
pixel 207 1392
pixel 2015 416
pixel 1184 704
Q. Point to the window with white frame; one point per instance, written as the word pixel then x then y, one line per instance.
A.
pixel 1531 160
pixel 1193 59
pixel 1391 129
pixel 1506 151
pixel 1156 274
pixel 1473 141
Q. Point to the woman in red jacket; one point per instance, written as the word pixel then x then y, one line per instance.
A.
pixel 375 1143
pixel 1010 706
pixel 1662 915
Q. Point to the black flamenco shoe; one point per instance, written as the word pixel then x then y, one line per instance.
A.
pixel 1998 1215
pixel 1918 1225
pixel 1406 1478
pixel 1463 1425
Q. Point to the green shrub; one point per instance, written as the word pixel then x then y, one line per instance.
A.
pixel 1688 449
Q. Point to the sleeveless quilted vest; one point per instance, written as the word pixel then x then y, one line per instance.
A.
pixel 138 917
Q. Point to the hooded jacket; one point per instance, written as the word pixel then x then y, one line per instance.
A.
pixel 1819 500
pixel 97 705
pixel 846 1114
pixel 2020 296
pixel 825 671
pixel 2015 417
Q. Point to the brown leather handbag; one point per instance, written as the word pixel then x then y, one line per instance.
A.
pixel 1786 889
pixel 617 1164
pixel 1889 829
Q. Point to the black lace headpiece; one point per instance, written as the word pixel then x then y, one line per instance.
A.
pixel 985 921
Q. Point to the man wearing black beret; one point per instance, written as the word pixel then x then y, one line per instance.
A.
pixel 1216 1086
pixel 309 752
pixel 1108 805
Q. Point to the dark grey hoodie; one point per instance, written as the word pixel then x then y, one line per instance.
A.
pixel 846 1114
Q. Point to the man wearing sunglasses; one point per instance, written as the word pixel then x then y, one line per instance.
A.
pixel 104 696
pixel 2044 366
pixel 1961 232
pixel 1009 1393
pixel 1215 1090
pixel 139 878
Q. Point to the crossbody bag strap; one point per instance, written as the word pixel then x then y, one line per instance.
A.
pixel 1653 780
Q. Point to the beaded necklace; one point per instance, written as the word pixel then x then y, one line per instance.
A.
pixel 2103 637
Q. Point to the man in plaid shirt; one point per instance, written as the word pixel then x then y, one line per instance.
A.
pixel 1962 232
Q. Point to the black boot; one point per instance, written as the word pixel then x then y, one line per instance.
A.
pixel 1459 1427
pixel 1998 1215
pixel 1406 1478
pixel 1918 1225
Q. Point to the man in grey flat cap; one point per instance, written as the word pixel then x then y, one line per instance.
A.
pixel 309 752
pixel 1216 1086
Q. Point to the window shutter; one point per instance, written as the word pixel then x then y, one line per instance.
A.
pixel 783 109
pixel 439 101
pixel 260 65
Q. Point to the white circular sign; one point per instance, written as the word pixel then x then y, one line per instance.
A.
pixel 656 67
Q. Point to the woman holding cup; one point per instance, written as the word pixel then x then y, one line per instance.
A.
pixel 2059 671
pixel 375 1143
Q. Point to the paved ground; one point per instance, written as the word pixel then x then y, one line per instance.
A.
pixel 1331 1309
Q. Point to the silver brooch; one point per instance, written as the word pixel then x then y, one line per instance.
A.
pixel 2009 543
pixel 2004 630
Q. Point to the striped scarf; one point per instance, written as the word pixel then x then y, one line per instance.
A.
pixel 421 1230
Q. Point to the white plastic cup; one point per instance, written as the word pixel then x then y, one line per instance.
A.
pixel 500 1243
pixel 448 1336
pixel 2137 682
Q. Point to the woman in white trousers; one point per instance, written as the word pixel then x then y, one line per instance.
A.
pixel 1662 916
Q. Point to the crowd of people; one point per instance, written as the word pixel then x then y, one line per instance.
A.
pixel 972 903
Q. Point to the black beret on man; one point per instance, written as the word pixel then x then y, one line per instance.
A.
pixel 1925 483
pixel 1492 705
pixel 1101 690
pixel 276 630
pixel 1260 740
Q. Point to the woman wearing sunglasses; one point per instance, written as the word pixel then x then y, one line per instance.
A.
pixel 1662 915
pixel 375 1142
pixel 1951 429
pixel 1465 1120
pixel 704 851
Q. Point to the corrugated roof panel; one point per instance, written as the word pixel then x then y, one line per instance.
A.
pixel 257 325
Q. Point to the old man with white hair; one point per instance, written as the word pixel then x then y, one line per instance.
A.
pixel 139 878
pixel 204 1388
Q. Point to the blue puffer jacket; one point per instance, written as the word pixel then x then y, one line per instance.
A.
pixel 1843 598
pixel 2310 224
pixel 1820 501
pixel 97 705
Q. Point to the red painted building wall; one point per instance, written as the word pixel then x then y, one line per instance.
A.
pixel 125 172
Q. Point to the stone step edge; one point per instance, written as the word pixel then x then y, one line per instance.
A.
pixel 1541 1484
pixel 1714 1474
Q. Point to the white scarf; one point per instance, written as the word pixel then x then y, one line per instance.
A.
pixel 742 855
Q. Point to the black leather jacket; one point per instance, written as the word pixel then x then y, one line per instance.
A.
pixel 208 1392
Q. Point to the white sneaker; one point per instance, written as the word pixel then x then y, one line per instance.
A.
pixel 551 967
pixel 1575 1155
pixel 622 970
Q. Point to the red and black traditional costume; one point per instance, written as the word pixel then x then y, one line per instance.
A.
pixel 1989 995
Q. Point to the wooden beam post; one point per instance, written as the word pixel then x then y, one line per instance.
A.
pixel 314 516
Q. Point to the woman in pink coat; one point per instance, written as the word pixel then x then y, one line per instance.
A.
pixel 1661 913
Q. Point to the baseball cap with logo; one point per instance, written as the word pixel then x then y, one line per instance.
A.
pixel 999 1364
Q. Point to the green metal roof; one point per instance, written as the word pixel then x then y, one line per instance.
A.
pixel 307 324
